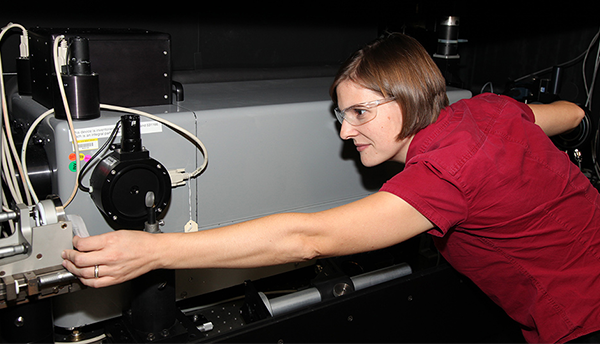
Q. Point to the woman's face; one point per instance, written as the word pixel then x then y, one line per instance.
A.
pixel 376 140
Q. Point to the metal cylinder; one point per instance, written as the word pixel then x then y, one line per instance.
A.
pixel 81 85
pixel 290 302
pixel 12 250
pixel 57 277
pixel 83 95
pixel 131 137
pixel 79 59
pixel 6 216
pixel 294 301
pixel 448 37
pixel 380 276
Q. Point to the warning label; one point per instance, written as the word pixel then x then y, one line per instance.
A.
pixel 89 138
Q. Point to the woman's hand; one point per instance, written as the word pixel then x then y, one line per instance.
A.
pixel 111 258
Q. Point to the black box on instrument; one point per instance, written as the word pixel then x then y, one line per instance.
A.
pixel 133 66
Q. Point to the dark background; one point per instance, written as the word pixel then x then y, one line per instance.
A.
pixel 505 40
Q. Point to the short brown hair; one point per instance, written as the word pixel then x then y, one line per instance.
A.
pixel 398 66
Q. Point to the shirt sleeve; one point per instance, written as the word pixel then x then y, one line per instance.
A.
pixel 432 192
pixel 526 111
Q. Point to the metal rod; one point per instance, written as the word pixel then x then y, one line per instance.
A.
pixel 294 301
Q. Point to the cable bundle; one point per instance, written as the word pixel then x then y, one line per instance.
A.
pixel 11 159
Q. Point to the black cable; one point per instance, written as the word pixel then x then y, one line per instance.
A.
pixel 108 142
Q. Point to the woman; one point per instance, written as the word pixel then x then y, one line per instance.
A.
pixel 506 208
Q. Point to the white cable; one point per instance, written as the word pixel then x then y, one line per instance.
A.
pixel 587 90
pixel 561 64
pixel 589 95
pixel 593 83
pixel 489 83
pixel 186 133
pixel 173 126
pixel 9 174
pixel 24 50
pixel 57 64
pixel 38 120
pixel 58 40
pixel 11 223
pixel 24 46
pixel 24 151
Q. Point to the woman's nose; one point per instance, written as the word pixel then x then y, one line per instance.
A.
pixel 347 131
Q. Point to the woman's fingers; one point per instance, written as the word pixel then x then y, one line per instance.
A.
pixel 109 258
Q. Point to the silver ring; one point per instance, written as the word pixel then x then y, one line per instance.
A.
pixel 96 271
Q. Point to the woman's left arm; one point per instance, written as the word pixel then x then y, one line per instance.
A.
pixel 557 117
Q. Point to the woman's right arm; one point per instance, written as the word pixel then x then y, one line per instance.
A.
pixel 374 222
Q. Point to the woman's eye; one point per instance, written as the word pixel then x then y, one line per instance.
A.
pixel 359 112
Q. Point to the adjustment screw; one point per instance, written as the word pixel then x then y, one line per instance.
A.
pixel 19 322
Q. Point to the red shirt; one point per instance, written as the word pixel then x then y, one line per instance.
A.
pixel 511 212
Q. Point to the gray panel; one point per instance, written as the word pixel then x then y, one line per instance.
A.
pixel 269 159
